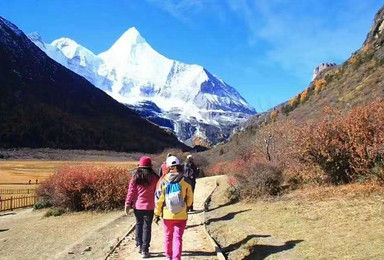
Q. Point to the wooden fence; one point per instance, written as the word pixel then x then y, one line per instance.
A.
pixel 18 202
pixel 17 191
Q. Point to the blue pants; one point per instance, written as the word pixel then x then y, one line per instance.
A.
pixel 143 228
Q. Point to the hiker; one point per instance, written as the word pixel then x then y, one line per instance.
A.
pixel 141 197
pixel 164 169
pixel 174 199
pixel 191 172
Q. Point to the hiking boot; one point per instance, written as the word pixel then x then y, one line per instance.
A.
pixel 146 254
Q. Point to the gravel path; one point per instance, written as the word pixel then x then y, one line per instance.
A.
pixel 196 244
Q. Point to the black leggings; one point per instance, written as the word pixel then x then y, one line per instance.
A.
pixel 143 228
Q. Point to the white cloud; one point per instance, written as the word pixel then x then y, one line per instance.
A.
pixel 299 34
pixel 180 9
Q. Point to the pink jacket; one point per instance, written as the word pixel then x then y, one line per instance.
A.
pixel 141 197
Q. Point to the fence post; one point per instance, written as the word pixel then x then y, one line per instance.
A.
pixel 11 203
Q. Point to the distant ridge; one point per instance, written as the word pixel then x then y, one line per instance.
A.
pixel 43 104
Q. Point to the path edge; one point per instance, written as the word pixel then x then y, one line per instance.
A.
pixel 121 240
pixel 219 252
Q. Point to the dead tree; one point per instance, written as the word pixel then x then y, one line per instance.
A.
pixel 268 141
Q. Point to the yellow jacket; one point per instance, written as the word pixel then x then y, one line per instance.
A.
pixel 186 193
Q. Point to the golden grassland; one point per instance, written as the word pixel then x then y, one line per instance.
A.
pixel 16 174
pixel 343 222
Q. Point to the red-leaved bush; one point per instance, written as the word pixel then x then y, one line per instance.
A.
pixel 86 187
pixel 347 147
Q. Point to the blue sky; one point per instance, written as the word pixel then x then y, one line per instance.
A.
pixel 266 49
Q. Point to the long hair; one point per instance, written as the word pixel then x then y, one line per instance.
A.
pixel 179 168
pixel 142 176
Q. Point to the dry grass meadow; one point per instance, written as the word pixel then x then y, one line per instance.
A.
pixel 15 174
pixel 312 224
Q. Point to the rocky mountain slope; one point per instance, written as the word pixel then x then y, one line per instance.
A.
pixel 358 80
pixel 43 104
pixel 197 106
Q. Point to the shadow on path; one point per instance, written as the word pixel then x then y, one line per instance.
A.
pixel 198 253
pixel 236 245
pixel 185 253
pixel 6 214
pixel 263 251
pixel 221 206
pixel 2 230
pixel 229 216
pixel 192 226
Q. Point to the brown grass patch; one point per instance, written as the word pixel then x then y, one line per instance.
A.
pixel 20 172
pixel 348 191
pixel 343 222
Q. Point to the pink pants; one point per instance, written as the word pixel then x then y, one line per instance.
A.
pixel 174 230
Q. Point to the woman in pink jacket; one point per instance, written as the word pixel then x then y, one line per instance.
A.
pixel 141 197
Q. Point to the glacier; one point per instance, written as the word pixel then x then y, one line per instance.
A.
pixel 185 98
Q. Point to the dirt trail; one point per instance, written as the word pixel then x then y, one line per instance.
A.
pixel 196 244
pixel 26 234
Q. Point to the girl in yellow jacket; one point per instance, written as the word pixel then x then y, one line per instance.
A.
pixel 173 198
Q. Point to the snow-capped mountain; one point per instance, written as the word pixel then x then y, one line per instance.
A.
pixel 43 104
pixel 185 98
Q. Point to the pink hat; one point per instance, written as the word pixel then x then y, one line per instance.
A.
pixel 145 162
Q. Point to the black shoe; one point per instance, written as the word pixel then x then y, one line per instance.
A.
pixel 146 254
pixel 138 249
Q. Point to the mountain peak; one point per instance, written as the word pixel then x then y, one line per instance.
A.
pixel 65 42
pixel 128 41
pixel 132 35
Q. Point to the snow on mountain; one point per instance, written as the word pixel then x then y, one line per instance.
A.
pixel 185 98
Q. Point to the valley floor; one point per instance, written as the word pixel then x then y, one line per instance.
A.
pixel 295 227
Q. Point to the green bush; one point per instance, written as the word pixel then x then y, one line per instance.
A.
pixel 42 204
pixel 53 212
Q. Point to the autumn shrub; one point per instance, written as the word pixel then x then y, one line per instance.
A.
pixel 347 147
pixel 294 102
pixel 86 187
pixel 273 115
pixel 221 168
pixel 257 178
pixel 319 85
